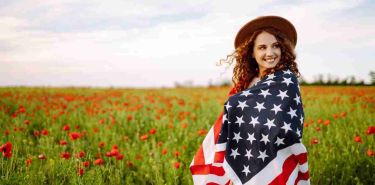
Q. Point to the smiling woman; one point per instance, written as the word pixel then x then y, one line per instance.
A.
pixel 257 138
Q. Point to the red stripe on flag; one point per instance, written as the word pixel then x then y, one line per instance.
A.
pixel 207 169
pixel 199 157
pixel 289 165
pixel 217 127
pixel 219 157
pixel 302 176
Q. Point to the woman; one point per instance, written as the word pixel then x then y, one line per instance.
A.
pixel 257 138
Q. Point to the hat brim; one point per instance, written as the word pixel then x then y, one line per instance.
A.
pixel 277 22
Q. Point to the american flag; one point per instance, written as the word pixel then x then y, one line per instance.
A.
pixel 258 137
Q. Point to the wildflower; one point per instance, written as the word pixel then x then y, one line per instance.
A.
pixel 314 141
pixel 152 131
pixel 176 153
pixel 44 132
pixel 6 149
pixel 144 137
pixel 202 132
pixel 28 161
pixel 63 142
pixel 74 135
pixel 119 157
pixel 41 157
pixel 36 133
pixel 343 114
pixel 370 153
pixel 86 164
pixel 358 139
pixel 80 154
pixel 370 130
pixel 65 155
pixel 317 129
pixel 327 122
pixel 129 163
pixel 80 171
pixel 101 144
pixel 27 122
pixel 98 162
pixel 66 128
pixel 130 117
pixel 164 151
pixel 177 165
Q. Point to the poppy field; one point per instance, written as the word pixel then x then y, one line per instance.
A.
pixel 149 136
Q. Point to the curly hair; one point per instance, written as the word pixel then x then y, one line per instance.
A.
pixel 246 67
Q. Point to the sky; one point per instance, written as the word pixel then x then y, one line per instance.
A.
pixel 156 43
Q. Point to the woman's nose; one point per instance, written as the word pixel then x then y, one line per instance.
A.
pixel 269 52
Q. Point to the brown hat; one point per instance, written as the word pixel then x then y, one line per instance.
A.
pixel 266 21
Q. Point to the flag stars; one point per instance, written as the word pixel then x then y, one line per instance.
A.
pixel 301 119
pixel 262 155
pixel 251 138
pixel 259 106
pixel 237 137
pixel 246 93
pixel 254 121
pixel 246 169
pixel 248 154
pixel 297 99
pixel 279 141
pixel 270 123
pixel 268 82
pixel 242 104
pixel 240 121
pixel 234 153
pixel 270 76
pixel 287 81
pixel 286 127
pixel 298 132
pixel 282 94
pixel 227 106
pixel 225 118
pixel 276 108
pixel 265 139
pixel 292 112
pixel 264 93
pixel 287 72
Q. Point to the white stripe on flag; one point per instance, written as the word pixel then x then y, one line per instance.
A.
pixel 303 182
pixel 220 147
pixel 293 176
pixel 204 179
pixel 208 146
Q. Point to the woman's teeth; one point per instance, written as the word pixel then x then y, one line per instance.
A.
pixel 270 60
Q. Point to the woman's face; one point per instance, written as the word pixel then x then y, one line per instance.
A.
pixel 266 51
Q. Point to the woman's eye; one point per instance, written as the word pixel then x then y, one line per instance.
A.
pixel 262 47
pixel 276 46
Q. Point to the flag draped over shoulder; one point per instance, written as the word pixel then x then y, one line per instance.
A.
pixel 257 138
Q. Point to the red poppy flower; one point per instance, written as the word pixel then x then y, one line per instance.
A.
pixel 44 132
pixel 66 127
pixel 164 151
pixel 130 117
pixel 327 122
pixel 119 157
pixel 27 122
pixel 80 154
pixel 101 144
pixel 370 153
pixel 370 130
pixel 99 162
pixel 343 114
pixel 86 164
pixel 74 135
pixel 358 139
pixel 114 152
pixel 202 132
pixel 63 142
pixel 36 133
pixel 152 131
pixel 41 157
pixel 6 132
pixel 28 161
pixel 6 149
pixel 314 141
pixel 108 154
pixel 177 165
pixel 80 171
pixel 317 129
pixel 65 155
pixel 176 153
pixel 129 163
pixel 144 137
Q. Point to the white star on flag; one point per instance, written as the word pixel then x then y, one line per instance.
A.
pixel 259 106
pixel 254 121
pixel 297 99
pixel 248 154
pixel 268 82
pixel 265 139
pixel 286 127
pixel 240 121
pixel 283 94
pixel 279 141
pixel 292 112
pixel 287 72
pixel 246 93
pixel 234 153
pixel 301 119
pixel 262 155
pixel 237 136
pixel 264 93
pixel 270 76
pixel 287 81
pixel 270 123
pixel 242 104
pixel 251 138
pixel 246 169
pixel 227 106
pixel 276 108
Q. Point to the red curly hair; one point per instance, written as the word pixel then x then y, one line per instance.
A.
pixel 246 67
